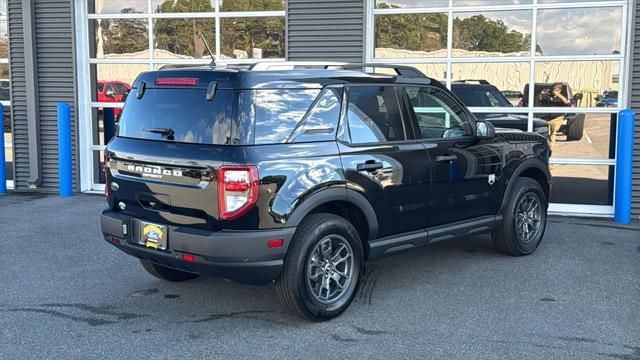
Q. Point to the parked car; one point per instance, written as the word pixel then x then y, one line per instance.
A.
pixel 480 93
pixel 607 99
pixel 573 126
pixel 113 91
pixel 299 174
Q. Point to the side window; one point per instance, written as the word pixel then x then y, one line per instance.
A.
pixel 437 114
pixel 321 121
pixel 278 112
pixel 373 115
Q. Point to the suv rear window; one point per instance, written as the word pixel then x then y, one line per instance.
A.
pixel 186 112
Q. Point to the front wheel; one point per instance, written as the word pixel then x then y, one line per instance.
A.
pixel 323 268
pixel 524 219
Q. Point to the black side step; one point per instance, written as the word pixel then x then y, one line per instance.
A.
pixel 393 244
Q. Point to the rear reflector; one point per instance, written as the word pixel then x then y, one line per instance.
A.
pixel 116 241
pixel 177 81
pixel 188 258
pixel 271 244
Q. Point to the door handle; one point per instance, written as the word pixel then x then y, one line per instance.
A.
pixel 446 158
pixel 369 166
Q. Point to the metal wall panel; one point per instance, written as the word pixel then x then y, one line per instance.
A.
pixel 55 83
pixel 326 30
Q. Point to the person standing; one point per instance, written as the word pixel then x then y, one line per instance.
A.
pixel 553 98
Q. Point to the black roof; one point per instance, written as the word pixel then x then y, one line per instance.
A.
pixel 254 77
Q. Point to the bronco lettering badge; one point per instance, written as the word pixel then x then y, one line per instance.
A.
pixel 153 172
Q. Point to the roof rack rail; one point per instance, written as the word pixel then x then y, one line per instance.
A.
pixel 292 65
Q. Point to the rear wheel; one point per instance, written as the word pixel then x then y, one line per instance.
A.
pixel 165 273
pixel 575 129
pixel 524 219
pixel 323 268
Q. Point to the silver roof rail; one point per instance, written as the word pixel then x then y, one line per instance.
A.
pixel 292 65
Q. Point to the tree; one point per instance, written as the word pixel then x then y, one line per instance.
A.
pixel 181 36
pixel 478 33
pixel 122 36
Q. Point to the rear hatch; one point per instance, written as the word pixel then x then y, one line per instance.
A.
pixel 173 137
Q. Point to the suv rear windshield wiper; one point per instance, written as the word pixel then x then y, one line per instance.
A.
pixel 168 132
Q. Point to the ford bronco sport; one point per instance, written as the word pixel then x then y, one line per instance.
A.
pixel 300 173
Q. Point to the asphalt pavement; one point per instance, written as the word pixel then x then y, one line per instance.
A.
pixel 67 294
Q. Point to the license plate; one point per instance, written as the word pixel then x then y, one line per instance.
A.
pixel 153 235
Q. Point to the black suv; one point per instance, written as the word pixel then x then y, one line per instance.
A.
pixel 300 173
pixel 480 93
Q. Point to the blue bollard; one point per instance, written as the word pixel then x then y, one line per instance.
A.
pixel 3 161
pixel 624 167
pixel 64 150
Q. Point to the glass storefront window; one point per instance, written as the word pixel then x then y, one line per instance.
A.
pixel 120 38
pixel 8 148
pixel 582 184
pixel 252 37
pixel 489 2
pixel 411 35
pixel 579 135
pixel 4 39
pixel 584 83
pixel 496 33
pixel 117 6
pixel 255 5
pixel 113 81
pixel 579 31
pixel 182 6
pixel 391 4
pixel 180 39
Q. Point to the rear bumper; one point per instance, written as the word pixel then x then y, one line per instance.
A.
pixel 241 256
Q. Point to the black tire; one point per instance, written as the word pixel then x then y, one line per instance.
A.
pixel 294 286
pixel 506 237
pixel 575 128
pixel 165 273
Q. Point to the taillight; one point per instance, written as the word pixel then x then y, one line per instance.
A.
pixel 238 188
pixel 105 169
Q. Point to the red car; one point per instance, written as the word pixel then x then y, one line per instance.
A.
pixel 113 91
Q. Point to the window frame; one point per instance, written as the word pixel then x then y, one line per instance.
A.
pixel 344 131
pixel 465 114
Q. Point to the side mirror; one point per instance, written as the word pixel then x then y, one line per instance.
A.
pixel 485 130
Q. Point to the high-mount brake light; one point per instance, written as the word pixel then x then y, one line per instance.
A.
pixel 177 81
pixel 238 188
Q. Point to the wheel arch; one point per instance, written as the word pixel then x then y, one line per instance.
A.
pixel 534 169
pixel 346 203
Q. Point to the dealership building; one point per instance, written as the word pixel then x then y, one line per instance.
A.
pixel 87 53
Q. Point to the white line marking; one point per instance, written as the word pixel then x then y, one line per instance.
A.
pixel 588 138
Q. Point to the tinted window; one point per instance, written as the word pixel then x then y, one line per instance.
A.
pixel 437 114
pixel 278 112
pixel 480 96
pixel 321 122
pixel 187 113
pixel 373 115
